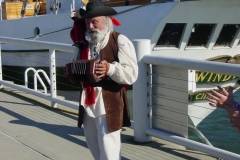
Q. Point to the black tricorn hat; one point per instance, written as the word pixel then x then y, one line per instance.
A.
pixel 96 8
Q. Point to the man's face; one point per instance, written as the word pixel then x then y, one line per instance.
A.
pixel 95 22
pixel 96 29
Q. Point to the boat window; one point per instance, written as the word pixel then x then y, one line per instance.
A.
pixel 200 35
pixel 227 35
pixel 171 35
pixel 36 31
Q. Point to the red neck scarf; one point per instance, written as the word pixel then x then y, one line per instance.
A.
pixel 78 34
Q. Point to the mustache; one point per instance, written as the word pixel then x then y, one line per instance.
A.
pixel 94 30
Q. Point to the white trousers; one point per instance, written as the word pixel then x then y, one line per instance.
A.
pixel 102 144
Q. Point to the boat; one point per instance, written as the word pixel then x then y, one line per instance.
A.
pixel 202 30
pixel 42 20
pixel 48 24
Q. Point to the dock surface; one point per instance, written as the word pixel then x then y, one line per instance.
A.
pixel 29 130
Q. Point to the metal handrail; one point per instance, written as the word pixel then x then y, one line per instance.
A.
pixel 199 134
pixel 37 77
pixel 142 119
pixel 216 152
pixel 26 77
pixel 193 64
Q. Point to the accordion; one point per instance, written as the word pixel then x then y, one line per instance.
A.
pixel 81 71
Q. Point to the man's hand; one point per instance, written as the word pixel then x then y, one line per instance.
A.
pixel 101 69
pixel 223 100
pixel 226 101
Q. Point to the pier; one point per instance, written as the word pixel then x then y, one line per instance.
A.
pixel 30 129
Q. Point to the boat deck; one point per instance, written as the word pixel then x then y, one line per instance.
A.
pixel 31 130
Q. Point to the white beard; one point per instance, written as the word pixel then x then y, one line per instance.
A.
pixel 95 35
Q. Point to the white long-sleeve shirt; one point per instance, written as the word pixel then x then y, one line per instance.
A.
pixel 123 72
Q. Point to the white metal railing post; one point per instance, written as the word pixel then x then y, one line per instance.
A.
pixel 53 86
pixel 1 64
pixel 140 93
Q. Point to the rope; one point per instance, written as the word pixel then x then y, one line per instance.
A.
pixel 36 7
pixel 24 5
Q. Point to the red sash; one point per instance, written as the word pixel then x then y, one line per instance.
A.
pixel 78 34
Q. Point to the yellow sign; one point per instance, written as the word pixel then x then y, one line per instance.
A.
pixel 207 77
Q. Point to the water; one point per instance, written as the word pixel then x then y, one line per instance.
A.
pixel 217 129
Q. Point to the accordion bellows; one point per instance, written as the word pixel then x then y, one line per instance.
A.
pixel 81 71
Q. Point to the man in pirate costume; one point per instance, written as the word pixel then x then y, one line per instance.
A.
pixel 103 106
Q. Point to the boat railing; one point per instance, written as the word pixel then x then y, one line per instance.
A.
pixel 149 117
